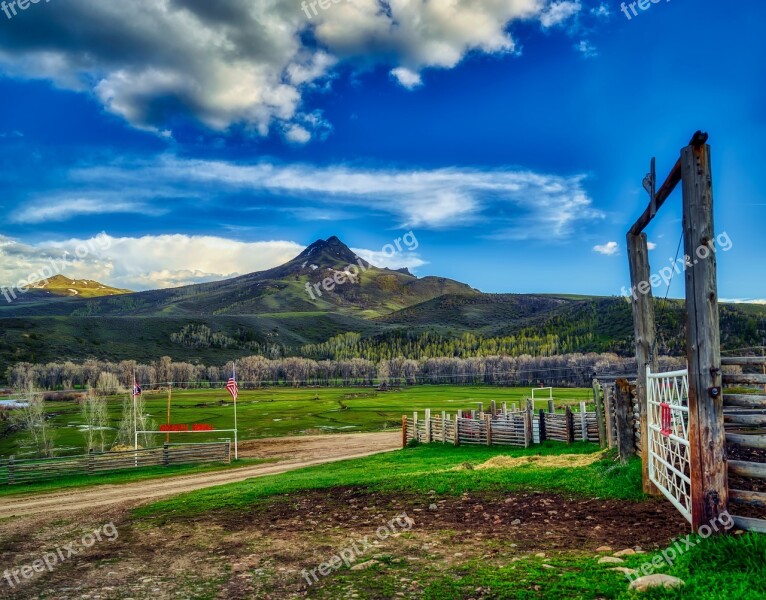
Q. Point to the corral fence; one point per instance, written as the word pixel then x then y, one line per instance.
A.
pixel 14 471
pixel 502 427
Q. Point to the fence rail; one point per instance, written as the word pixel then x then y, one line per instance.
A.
pixel 14 471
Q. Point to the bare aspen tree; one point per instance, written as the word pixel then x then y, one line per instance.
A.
pixel 96 416
pixel 30 416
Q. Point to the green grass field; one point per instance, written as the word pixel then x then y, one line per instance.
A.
pixel 276 412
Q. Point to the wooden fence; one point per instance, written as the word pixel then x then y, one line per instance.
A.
pixel 519 428
pixel 14 471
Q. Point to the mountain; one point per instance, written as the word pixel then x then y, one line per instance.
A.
pixel 307 305
pixel 58 286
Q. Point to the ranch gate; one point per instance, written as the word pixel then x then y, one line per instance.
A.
pixel 690 428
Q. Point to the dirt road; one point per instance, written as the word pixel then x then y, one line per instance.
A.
pixel 296 452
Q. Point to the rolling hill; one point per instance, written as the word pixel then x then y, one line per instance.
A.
pixel 287 310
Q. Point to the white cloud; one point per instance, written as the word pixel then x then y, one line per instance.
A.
pixel 743 300
pixel 559 12
pixel 148 262
pixel 651 245
pixel 248 62
pixel 512 203
pixel 407 78
pixel 41 211
pixel 399 260
pixel 608 249
pixel 587 49
pixel 602 10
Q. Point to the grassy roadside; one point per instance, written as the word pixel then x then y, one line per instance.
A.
pixel 120 477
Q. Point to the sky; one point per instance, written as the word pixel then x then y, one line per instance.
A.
pixel 167 142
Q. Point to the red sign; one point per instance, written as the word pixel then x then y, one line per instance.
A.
pixel 185 428
pixel 667 425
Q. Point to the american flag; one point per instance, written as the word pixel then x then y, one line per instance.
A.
pixel 136 389
pixel 232 387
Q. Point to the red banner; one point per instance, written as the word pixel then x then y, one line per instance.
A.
pixel 185 428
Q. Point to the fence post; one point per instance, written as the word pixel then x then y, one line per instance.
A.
pixel 457 429
pixel 626 441
pixel 530 419
pixel 428 426
pixel 599 414
pixel 505 407
pixel 608 404
pixel 11 471
pixel 584 422
pixel 91 461
pixel 480 409
pixel 488 422
pixel 542 426
pixel 570 424
pixel 709 480
pixel 551 408
pixel 415 425
pixel 444 427
pixel 228 451
pixel 165 455
pixel 404 431
pixel 493 408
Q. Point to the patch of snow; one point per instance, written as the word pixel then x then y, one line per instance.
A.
pixel 303 266
pixel 314 267
pixel 74 292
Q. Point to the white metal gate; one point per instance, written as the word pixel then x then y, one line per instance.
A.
pixel 668 431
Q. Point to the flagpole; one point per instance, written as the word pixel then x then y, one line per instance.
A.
pixel 236 444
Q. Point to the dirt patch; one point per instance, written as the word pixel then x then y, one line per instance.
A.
pixel 561 461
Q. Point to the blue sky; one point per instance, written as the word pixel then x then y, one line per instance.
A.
pixel 211 139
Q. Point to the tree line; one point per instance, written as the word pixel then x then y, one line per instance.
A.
pixel 567 370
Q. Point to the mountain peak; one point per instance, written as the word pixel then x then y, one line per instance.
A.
pixel 332 249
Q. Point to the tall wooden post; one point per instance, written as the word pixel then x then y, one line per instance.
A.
pixel 645 333
pixel 599 414
pixel 709 481
pixel 404 431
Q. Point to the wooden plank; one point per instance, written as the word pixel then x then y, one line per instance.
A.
pixel 747 469
pixel 757 441
pixel 754 419
pixel 744 378
pixel 709 482
pixel 744 401
pixel 404 431
pixel 645 335
pixel 673 179
pixel 747 497
pixel 743 360
pixel 750 524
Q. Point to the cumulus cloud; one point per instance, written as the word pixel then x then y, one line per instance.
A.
pixel 242 62
pixel 587 49
pixel 398 260
pixel 608 249
pixel 147 262
pixel 511 203
pixel 651 245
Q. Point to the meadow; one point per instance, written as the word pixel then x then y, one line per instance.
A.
pixel 273 412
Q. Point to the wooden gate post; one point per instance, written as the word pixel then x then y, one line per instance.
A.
pixel 623 404
pixel 707 438
pixel 428 426
pixel 570 424
pixel 457 429
pixel 542 426
pixel 444 426
pixel 488 424
pixel 645 334
pixel 583 422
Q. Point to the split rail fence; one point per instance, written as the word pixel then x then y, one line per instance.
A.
pixel 14 471
pixel 502 427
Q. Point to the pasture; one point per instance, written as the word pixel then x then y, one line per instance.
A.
pixel 273 412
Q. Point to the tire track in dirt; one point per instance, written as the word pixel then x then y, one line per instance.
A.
pixel 298 452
